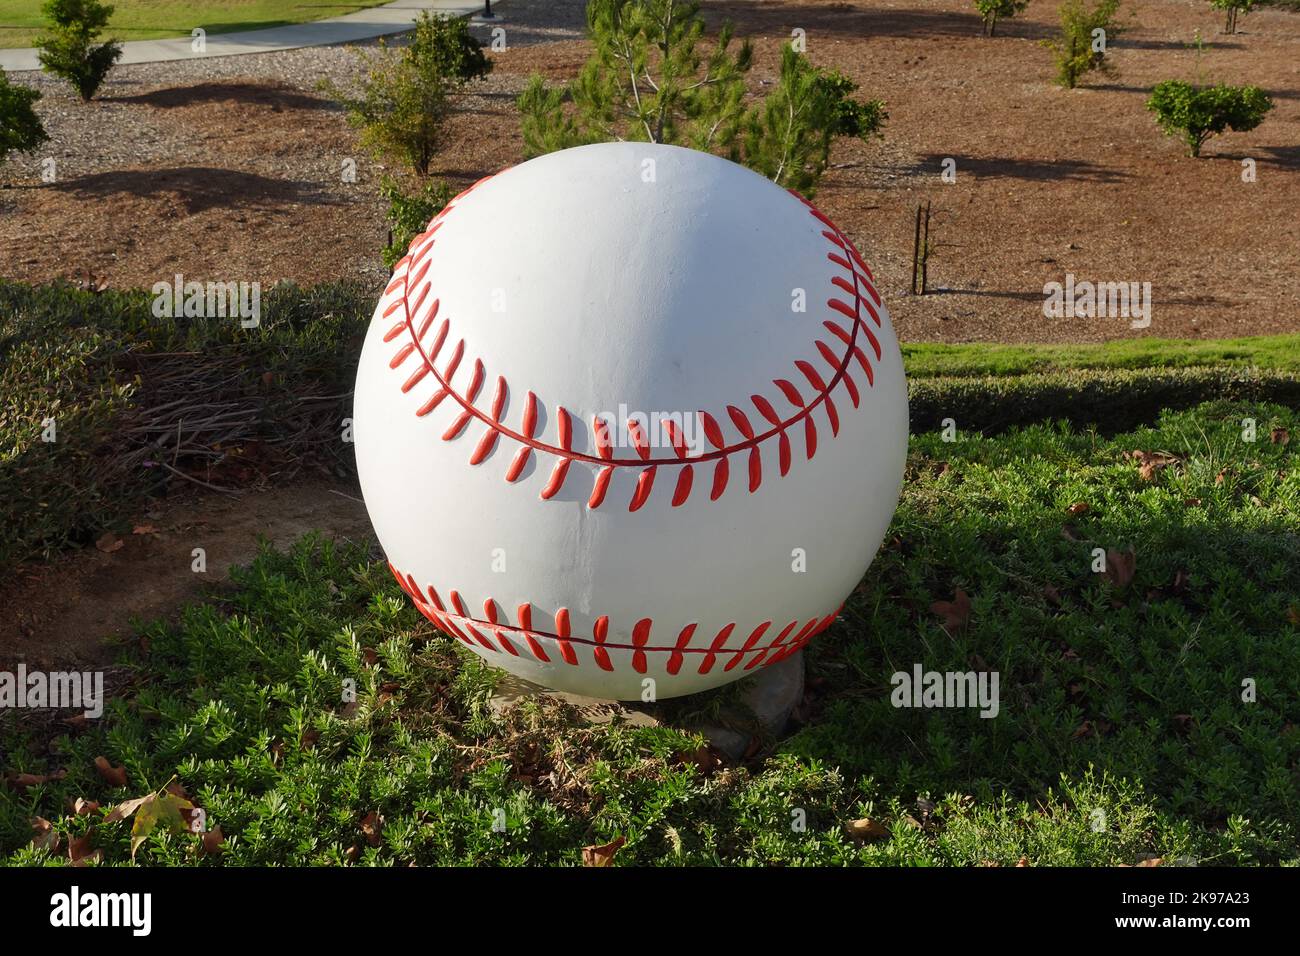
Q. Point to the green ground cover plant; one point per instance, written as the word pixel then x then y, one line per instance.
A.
pixel 1124 731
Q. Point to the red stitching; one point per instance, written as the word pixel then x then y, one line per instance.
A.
pixel 860 281
pixel 455 621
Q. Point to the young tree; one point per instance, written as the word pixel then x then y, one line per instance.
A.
pixel 648 80
pixel 69 49
pixel 1194 114
pixel 993 10
pixel 1232 8
pixel 405 99
pixel 410 213
pixel 1082 43
pixel 787 137
pixel 20 128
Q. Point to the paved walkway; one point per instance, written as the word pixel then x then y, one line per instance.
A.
pixel 395 17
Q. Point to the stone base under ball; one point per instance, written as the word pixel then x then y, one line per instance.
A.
pixel 767 700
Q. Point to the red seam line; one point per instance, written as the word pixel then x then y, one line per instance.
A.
pixel 758 439
pixel 499 626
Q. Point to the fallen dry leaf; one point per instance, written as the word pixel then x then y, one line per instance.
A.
pixel 1120 566
pixel 144 529
pixel 1150 859
pixel 83 807
pixel 1293 614
pixel 22 781
pixel 1023 861
pixel 1279 436
pixel 114 776
pixel 1078 508
pixel 79 848
pixel 1150 463
pixel 867 829
pixel 601 854
pixel 109 542
pixel 212 840
pixel 372 827
pixel 954 613
pixel 45 836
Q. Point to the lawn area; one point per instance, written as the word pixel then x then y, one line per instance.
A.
pixel 21 22
pixel 1151 710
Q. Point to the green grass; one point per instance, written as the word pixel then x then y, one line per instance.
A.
pixel 1122 728
pixel 21 22
pixel 1274 352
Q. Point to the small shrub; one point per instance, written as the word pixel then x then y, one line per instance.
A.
pixel 649 81
pixel 410 213
pixel 788 136
pixel 405 99
pixel 993 10
pixel 1082 43
pixel 1232 8
pixel 1194 114
pixel 20 128
pixel 69 49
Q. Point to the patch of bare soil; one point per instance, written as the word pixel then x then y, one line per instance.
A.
pixel 231 169
pixel 67 612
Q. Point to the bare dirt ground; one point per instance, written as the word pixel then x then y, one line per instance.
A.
pixel 230 168
pixel 69 611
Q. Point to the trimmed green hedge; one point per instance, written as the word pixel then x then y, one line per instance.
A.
pixel 1114 400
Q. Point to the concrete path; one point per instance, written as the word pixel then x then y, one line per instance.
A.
pixel 395 17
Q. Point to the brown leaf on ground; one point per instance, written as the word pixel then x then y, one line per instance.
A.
pixel 1051 594
pixel 21 781
pixel 83 807
pixel 602 854
pixel 867 829
pixel 1078 508
pixel 126 808
pixel 370 656
pixel 1150 859
pixel 309 738
pixel 114 776
pixel 79 848
pixel 212 841
pixel 1023 861
pixel 372 828
pixel 45 837
pixel 1293 614
pixel 1192 502
pixel 1279 436
pixel 1218 479
pixel 954 613
pixel 353 853
pixel 144 529
pixel 1150 463
pixel 1120 566
pixel 109 542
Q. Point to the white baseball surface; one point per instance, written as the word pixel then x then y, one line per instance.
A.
pixel 738 331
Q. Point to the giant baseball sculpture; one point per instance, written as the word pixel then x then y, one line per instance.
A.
pixel 630 421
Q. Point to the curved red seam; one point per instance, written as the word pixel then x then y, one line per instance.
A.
pixel 722 453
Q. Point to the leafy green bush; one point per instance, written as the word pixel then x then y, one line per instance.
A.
pixel 69 49
pixel 648 81
pixel 20 128
pixel 1084 39
pixel 104 372
pixel 405 98
pixel 1232 8
pixel 410 213
pixel 1194 114
pixel 991 11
